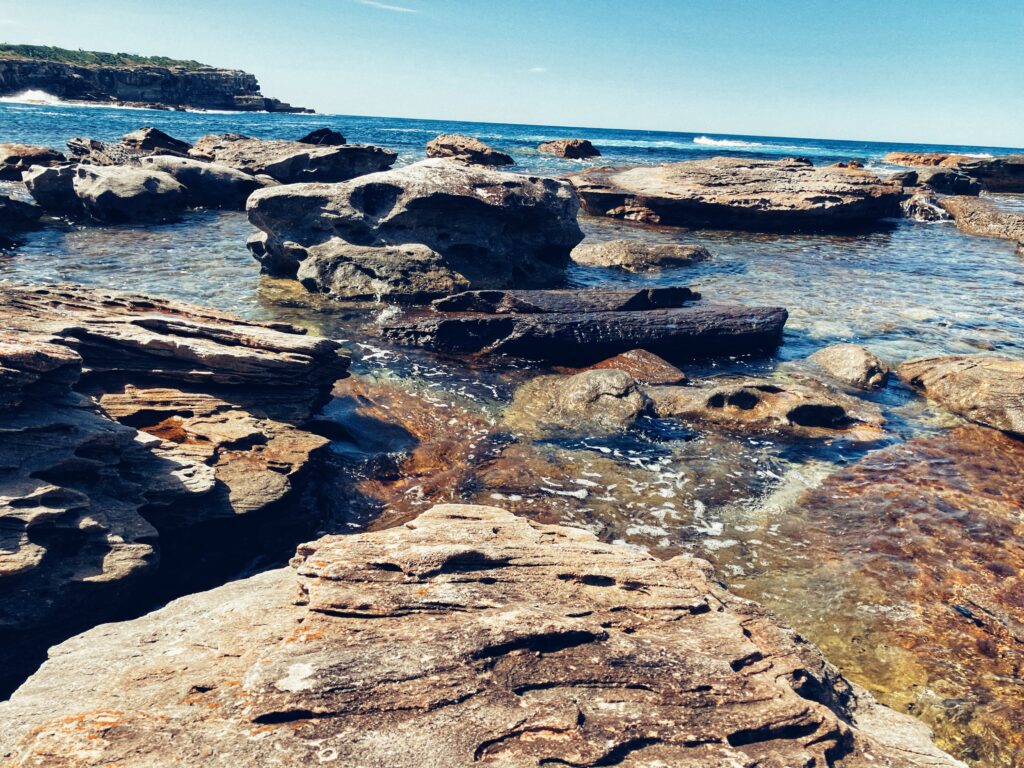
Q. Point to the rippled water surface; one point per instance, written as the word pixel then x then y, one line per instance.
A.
pixel 873 576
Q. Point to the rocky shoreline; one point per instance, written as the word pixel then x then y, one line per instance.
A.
pixel 155 450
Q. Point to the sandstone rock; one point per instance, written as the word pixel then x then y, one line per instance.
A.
pixel 638 256
pixel 292 162
pixel 34 367
pixel 94 152
pixel 581 327
pixel 16 158
pixel 573 149
pixel 16 216
pixel 118 194
pixel 800 408
pixel 323 137
pixel 853 365
pixel 53 188
pixel 465 149
pixel 977 216
pixel 947 181
pixel 986 390
pixel 737 193
pixel 490 229
pixel 153 141
pixel 467 636
pixel 922 159
pixel 597 402
pixel 207 185
pixel 996 174
pixel 645 367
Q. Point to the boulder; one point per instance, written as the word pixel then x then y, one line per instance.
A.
pixel 637 255
pixel 852 365
pixel 581 327
pixel 947 181
pixel 995 174
pixel 96 152
pixel 323 137
pixel 16 216
pixel 489 229
pixel 986 390
pixel 153 141
pixel 53 188
pixel 591 403
pixel 978 216
pixel 645 367
pixel 120 193
pixel 573 149
pixel 16 158
pixel 292 162
pixel 207 185
pixel 467 636
pixel 465 149
pixel 796 407
pixel 739 193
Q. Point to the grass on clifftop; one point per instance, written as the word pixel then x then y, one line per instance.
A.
pixel 91 58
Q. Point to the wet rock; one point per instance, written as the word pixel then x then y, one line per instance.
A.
pixel 597 402
pixel 852 365
pixel 584 326
pixel 489 229
pixel 800 408
pixel 924 206
pixel 986 390
pixel 16 158
pixel 645 367
pixel 638 256
pixel 120 194
pixel 996 174
pixel 477 637
pixel 292 162
pixel 53 188
pixel 947 181
pixel 323 137
pixel 977 216
pixel 16 216
pixel 153 141
pixel 207 185
pixel 465 149
pixel 573 149
pixel 737 193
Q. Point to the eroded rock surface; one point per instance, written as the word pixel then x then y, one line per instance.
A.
pixel 996 174
pixel 736 193
pixel 468 636
pixel 465 149
pixel 120 193
pixel 645 367
pixel 488 229
pixel 16 158
pixel 572 149
pixel 978 216
pixel 986 390
pixel 853 365
pixel 638 256
pixel 207 185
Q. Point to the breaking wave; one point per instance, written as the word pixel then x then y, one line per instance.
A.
pixel 707 141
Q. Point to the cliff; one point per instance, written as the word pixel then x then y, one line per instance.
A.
pixel 75 76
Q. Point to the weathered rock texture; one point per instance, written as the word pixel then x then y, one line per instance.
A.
pixel 323 137
pixel 465 149
pixel 638 256
pixel 986 390
pixel 996 174
pixel 207 185
pixel 978 216
pixel 852 365
pixel 801 408
pixel 581 327
pixel 16 216
pixel 735 193
pixel 573 149
pixel 292 162
pixel 205 88
pixel 120 194
pixel 468 636
pixel 645 367
pixel 418 232
pixel 16 158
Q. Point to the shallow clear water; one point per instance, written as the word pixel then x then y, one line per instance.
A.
pixel 746 503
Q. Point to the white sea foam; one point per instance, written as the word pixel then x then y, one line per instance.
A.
pixel 32 97
pixel 707 141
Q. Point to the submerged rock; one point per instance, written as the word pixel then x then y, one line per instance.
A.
pixel 292 162
pixel 584 326
pixel 17 158
pixel 646 367
pixel 977 216
pixel 466 636
pixel 465 149
pixel 460 225
pixel 852 365
pixel 737 193
pixel 804 408
pixel 573 149
pixel 638 256
pixel 986 390
pixel 207 185
pixel 595 402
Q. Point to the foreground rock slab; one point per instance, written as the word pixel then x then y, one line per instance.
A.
pixel 985 390
pixel 467 636
pixel 584 326
pixel 418 232
pixel 735 193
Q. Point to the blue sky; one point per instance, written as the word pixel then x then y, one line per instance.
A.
pixel 940 71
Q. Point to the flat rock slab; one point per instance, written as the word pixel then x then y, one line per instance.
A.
pixel 584 326
pixel 735 193
pixel 978 216
pixel 996 174
pixel 467 636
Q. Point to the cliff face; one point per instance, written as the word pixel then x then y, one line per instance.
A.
pixel 206 88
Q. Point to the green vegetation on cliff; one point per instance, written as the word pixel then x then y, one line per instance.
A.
pixel 91 58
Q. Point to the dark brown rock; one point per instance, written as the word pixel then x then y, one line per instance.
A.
pixel 16 158
pixel 466 149
pixel 153 141
pixel 736 193
pixel 646 367
pixel 323 137
pixel 573 149
pixel 995 174
pixel 637 255
pixel 16 216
